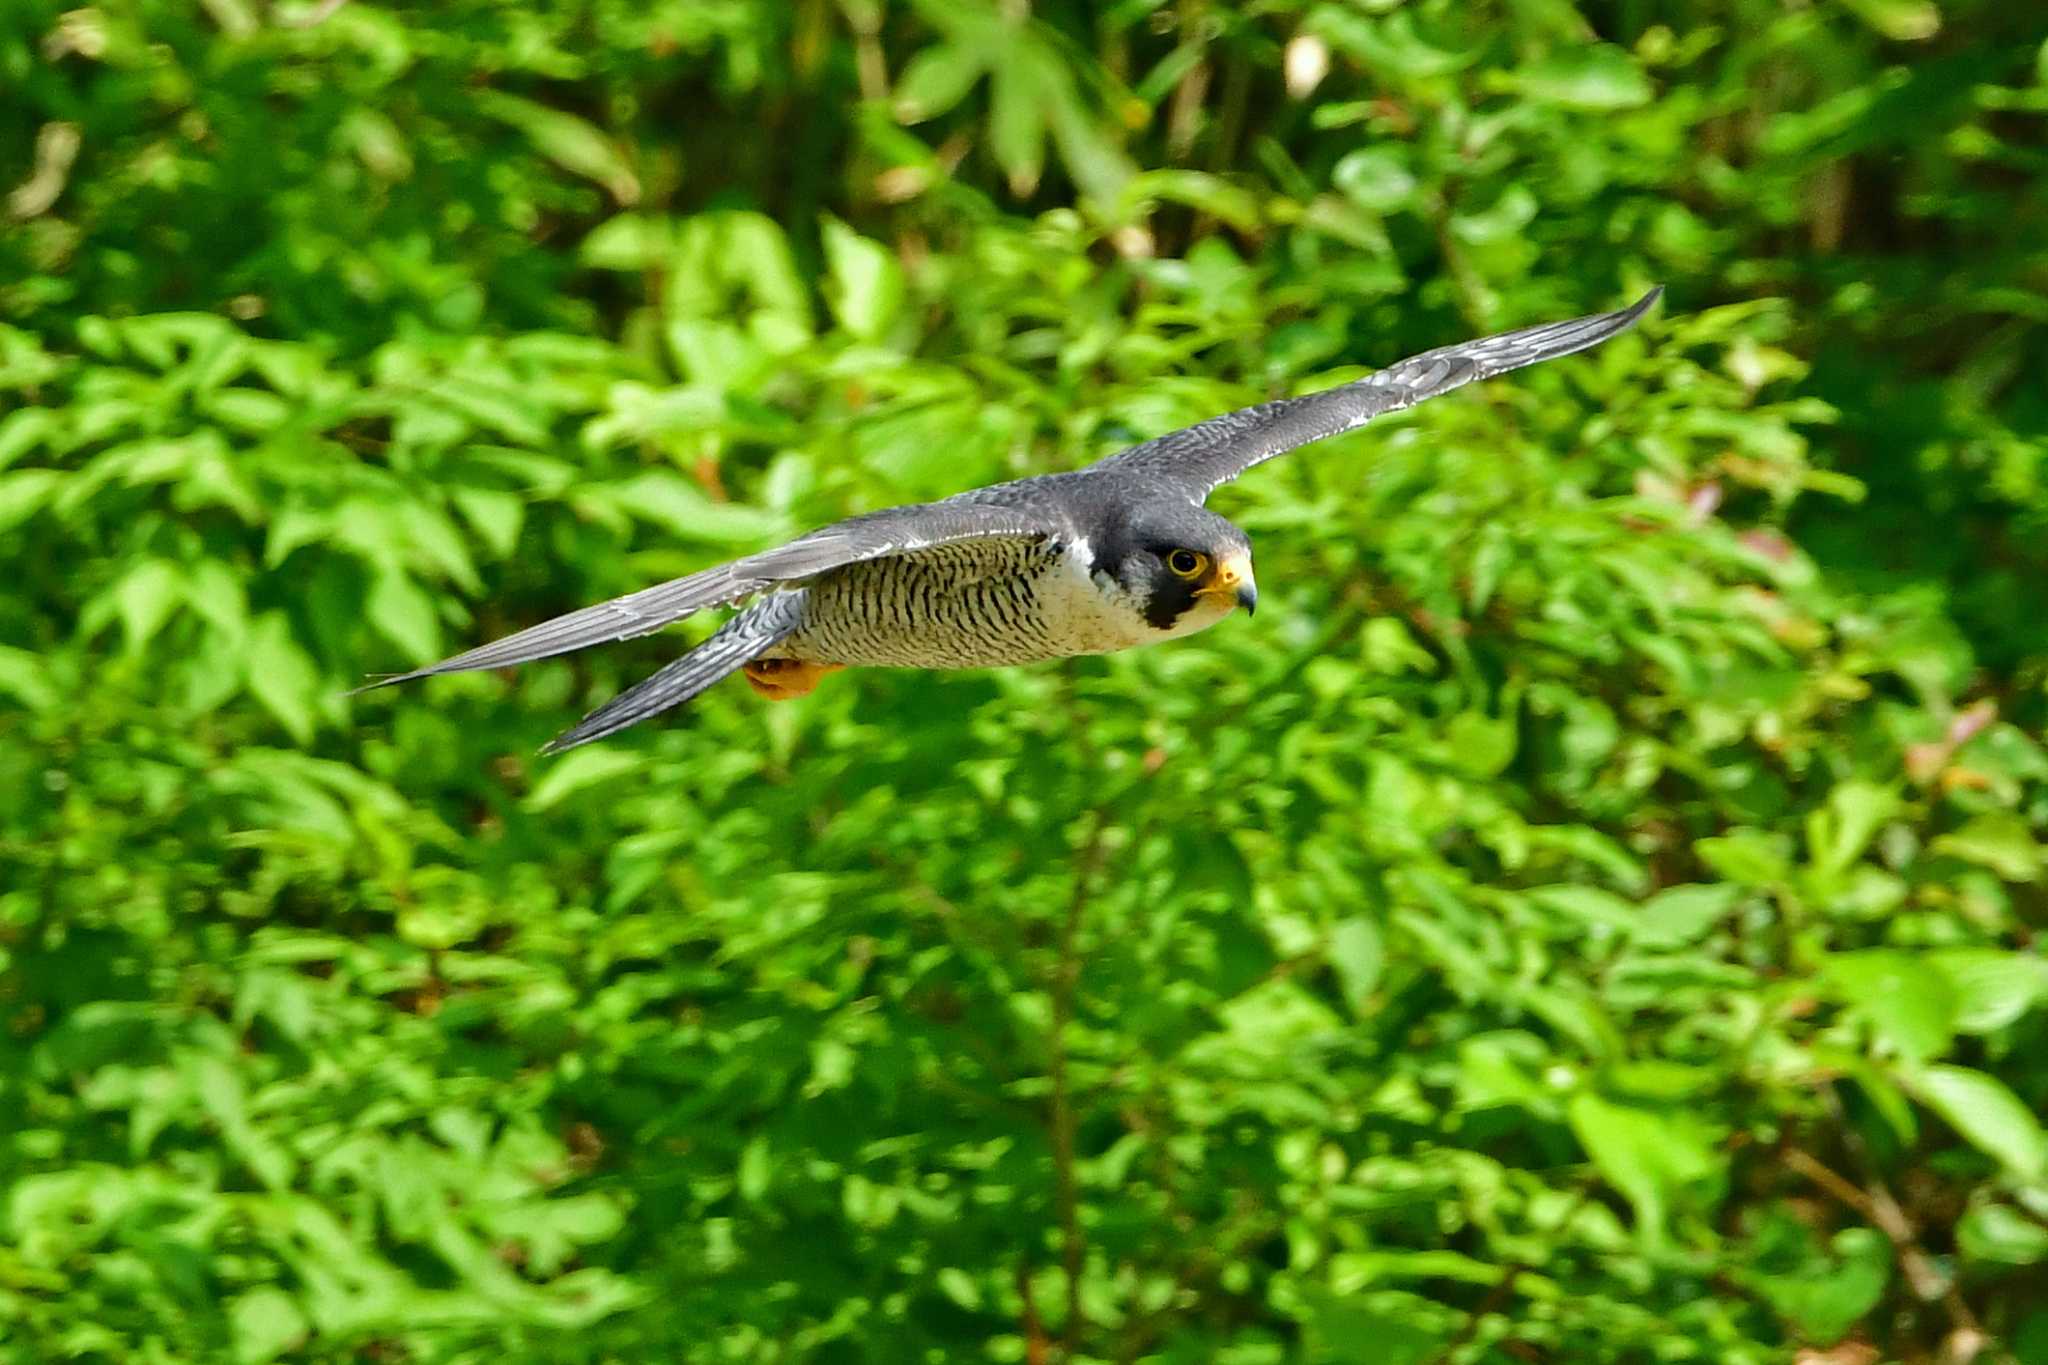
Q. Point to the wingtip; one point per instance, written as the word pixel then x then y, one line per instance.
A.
pixel 564 742
pixel 382 680
pixel 1645 303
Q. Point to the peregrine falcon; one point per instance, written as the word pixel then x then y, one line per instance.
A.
pixel 1118 554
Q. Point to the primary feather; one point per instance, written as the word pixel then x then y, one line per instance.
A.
pixel 1200 457
pixel 730 648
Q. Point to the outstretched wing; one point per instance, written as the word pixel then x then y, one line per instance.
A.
pixel 1218 450
pixel 896 531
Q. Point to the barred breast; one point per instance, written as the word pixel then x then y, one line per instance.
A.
pixel 972 605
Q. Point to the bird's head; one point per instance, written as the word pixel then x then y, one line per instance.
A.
pixel 1182 566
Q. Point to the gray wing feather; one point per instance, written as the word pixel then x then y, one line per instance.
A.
pixel 896 531
pixel 1218 450
pixel 728 650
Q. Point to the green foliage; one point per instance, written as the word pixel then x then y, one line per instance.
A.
pixel 1590 915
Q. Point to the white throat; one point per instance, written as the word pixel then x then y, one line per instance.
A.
pixel 1100 615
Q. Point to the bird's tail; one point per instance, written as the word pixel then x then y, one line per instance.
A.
pixel 736 643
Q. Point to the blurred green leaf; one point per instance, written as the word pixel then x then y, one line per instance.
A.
pixel 866 289
pixel 577 770
pixel 267 1324
pixel 1639 751
pixel 1913 1006
pixel 1999 840
pixel 403 612
pixel 281 676
pixel 570 142
pixel 1596 77
pixel 1986 1112
pixel 1993 988
pixel 1358 953
pixel 1684 914
pixel 2001 1234
pixel 1376 179
pixel 1654 1157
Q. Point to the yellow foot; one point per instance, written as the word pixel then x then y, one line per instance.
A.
pixel 781 679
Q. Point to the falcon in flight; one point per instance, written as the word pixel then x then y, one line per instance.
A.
pixel 1119 554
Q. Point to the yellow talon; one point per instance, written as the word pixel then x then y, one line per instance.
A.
pixel 782 679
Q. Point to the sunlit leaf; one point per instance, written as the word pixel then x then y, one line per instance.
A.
pixel 1590 76
pixel 281 676
pixel 1986 1112
pixel 571 142
pixel 866 290
pixel 576 770
pixel 1913 1005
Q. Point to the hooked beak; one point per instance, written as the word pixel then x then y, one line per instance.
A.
pixel 1233 580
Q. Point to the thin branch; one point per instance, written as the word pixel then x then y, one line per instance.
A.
pixel 1881 1211
pixel 869 64
pixel 1470 285
pixel 1890 1220
pixel 1035 1344
pixel 1875 1202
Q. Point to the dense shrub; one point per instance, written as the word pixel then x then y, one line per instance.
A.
pixel 1590 915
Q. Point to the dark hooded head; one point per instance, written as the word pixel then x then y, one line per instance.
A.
pixel 1182 566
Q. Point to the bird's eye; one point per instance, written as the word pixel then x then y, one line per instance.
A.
pixel 1186 563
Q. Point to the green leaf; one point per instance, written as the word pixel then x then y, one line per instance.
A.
pixel 25 492
pixel 2001 1235
pixel 1913 1006
pixel 1681 915
pixel 1592 77
pixel 570 142
pixel 681 507
pixel 936 78
pixel 24 430
pixel 146 596
pixel 1655 1157
pixel 1748 857
pixel 403 613
pixel 1986 1112
pixel 1358 953
pixel 1829 1295
pixel 282 676
pixel 1905 21
pixel 1503 221
pixel 1404 1328
pixel 2000 840
pixel 26 678
pixel 957 1285
pixel 630 241
pixel 576 770
pixel 1016 125
pixel 756 1169
pixel 1211 194
pixel 1591 907
pixel 497 517
pixel 1504 1067
pixel 865 288
pixel 267 1323
pixel 1376 179
pixel 1993 987
pixel 1855 811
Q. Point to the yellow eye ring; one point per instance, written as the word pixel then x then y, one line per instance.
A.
pixel 1187 563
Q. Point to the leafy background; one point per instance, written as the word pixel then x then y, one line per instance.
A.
pixel 1590 915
